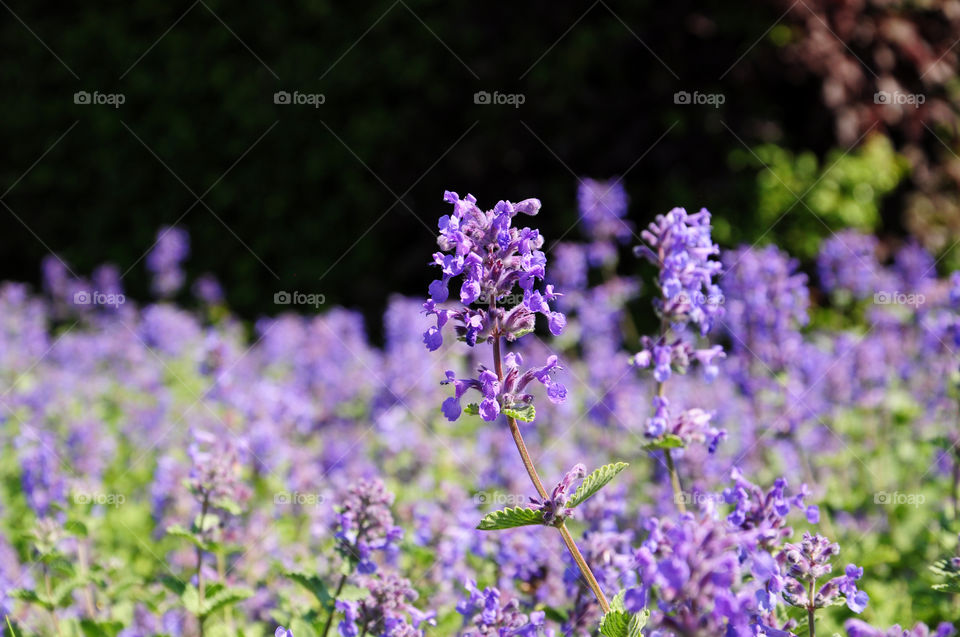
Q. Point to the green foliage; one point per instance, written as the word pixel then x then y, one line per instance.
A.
pixel 509 518
pixel 525 413
pixel 596 481
pixel 620 623
pixel 845 190
pixel 666 441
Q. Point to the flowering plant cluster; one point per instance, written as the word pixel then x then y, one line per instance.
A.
pixel 167 475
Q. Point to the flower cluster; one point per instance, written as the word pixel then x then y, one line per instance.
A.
pixel 485 614
pixel 170 249
pixel 603 204
pixel 766 303
pixel 680 245
pixel 387 611
pixel 766 512
pixel 804 564
pixel 508 393
pixel 555 508
pixel 493 257
pixel 215 473
pixel 364 524
pixel 858 628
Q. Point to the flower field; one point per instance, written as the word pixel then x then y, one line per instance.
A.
pixel 628 430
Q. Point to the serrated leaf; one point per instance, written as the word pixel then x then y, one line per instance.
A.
pixel 509 518
pixel 666 441
pixel 223 598
pixel 176 530
pixel 75 527
pixel 27 595
pixel 526 413
pixel 596 481
pixel 615 623
pixel 93 628
pixel 314 584
pixel 472 409
pixel 173 584
pixel 637 622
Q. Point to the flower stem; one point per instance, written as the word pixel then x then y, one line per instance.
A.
pixel 538 485
pixel 813 631
pixel 678 496
pixel 333 610
pixel 200 583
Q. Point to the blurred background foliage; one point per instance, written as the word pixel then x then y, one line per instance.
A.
pixel 343 199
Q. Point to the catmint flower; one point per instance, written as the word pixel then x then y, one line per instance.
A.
pixel 492 257
pixel 487 615
pixel 510 393
pixel 603 204
pixel 765 512
pixel 555 508
pixel 170 249
pixel 680 245
pixel 805 563
pixel 364 524
pixel 848 261
pixel 386 612
pixel 282 632
pixel 215 470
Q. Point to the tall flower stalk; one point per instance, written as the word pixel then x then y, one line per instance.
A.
pixel 492 257
pixel 680 245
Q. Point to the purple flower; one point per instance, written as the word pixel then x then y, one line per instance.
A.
pixel 169 250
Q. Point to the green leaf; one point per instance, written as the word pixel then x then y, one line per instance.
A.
pixel 526 412
pixel 173 584
pixel 176 530
pixel 472 409
pixel 615 623
pixel 75 527
pixel 637 622
pixel 509 518
pixel 228 505
pixel 666 441
pixel 93 628
pixel 12 634
pixel 27 595
pixel 596 481
pixel 314 584
pixel 351 593
pixel 223 598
